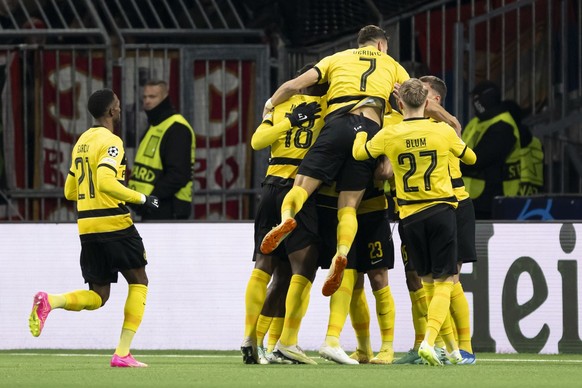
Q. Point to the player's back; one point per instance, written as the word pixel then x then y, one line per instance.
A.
pixel 290 148
pixel 419 151
pixel 98 149
pixel 357 73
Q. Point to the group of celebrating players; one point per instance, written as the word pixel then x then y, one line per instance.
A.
pixel 337 145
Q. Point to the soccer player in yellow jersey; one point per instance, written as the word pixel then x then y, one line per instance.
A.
pixel 290 130
pixel 465 214
pixel 373 254
pixel 419 149
pixel 110 242
pixel 360 83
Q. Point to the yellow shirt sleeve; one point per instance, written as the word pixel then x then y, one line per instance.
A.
pixel 362 149
pixel 111 172
pixel 267 133
pixel 359 147
pixel 71 187
pixel 460 149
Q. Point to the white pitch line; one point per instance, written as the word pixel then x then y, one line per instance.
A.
pixel 479 360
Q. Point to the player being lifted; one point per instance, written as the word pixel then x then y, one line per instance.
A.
pixel 361 81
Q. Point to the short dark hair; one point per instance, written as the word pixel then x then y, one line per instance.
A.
pixel 99 102
pixel 371 33
pixel 437 84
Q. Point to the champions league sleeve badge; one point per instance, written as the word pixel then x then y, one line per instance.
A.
pixel 113 151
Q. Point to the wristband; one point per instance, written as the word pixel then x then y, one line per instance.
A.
pixel 143 199
pixel 269 105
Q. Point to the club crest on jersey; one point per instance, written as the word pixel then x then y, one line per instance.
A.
pixel 113 151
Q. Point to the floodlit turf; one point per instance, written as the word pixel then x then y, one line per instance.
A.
pixel 71 368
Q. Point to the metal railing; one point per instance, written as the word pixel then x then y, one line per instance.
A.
pixel 54 52
pixel 531 48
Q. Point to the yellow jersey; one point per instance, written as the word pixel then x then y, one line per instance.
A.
pixel 96 182
pixel 419 151
pixel 288 144
pixel 359 76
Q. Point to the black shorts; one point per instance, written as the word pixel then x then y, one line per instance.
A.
pixel 372 248
pixel 330 158
pixel 431 241
pixel 408 265
pixel 465 215
pixel 269 215
pixel 373 243
pixel 102 260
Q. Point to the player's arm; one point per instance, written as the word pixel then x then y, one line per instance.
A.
pixel 384 170
pixel 108 183
pixel 435 111
pixel 267 133
pixel 71 186
pixel 460 149
pixel 291 87
pixel 111 160
pixel 363 149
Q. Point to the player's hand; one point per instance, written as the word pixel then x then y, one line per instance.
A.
pixel 151 202
pixel 268 107
pixel 304 112
pixel 396 90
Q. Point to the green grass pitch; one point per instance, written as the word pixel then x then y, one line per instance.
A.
pixel 82 368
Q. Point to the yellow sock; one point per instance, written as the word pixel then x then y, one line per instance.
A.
pixel 293 202
pixel 438 309
pixel 461 317
pixel 447 334
pixel 133 314
pixel 299 289
pixel 360 317
pixel 255 296
pixel 347 228
pixel 419 312
pixel 439 341
pixel 263 324
pixel 76 300
pixel 274 332
pixel 386 316
pixel 339 307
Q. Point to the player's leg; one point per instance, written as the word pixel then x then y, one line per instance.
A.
pixel 273 313
pixel 128 256
pixel 44 303
pixel 268 214
pixel 255 295
pixel 95 270
pixel 375 257
pixel 133 312
pixel 385 313
pixel 347 228
pixel 360 318
pixel 304 265
pixel 441 240
pixel 418 303
pixel 339 305
pixel 460 312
